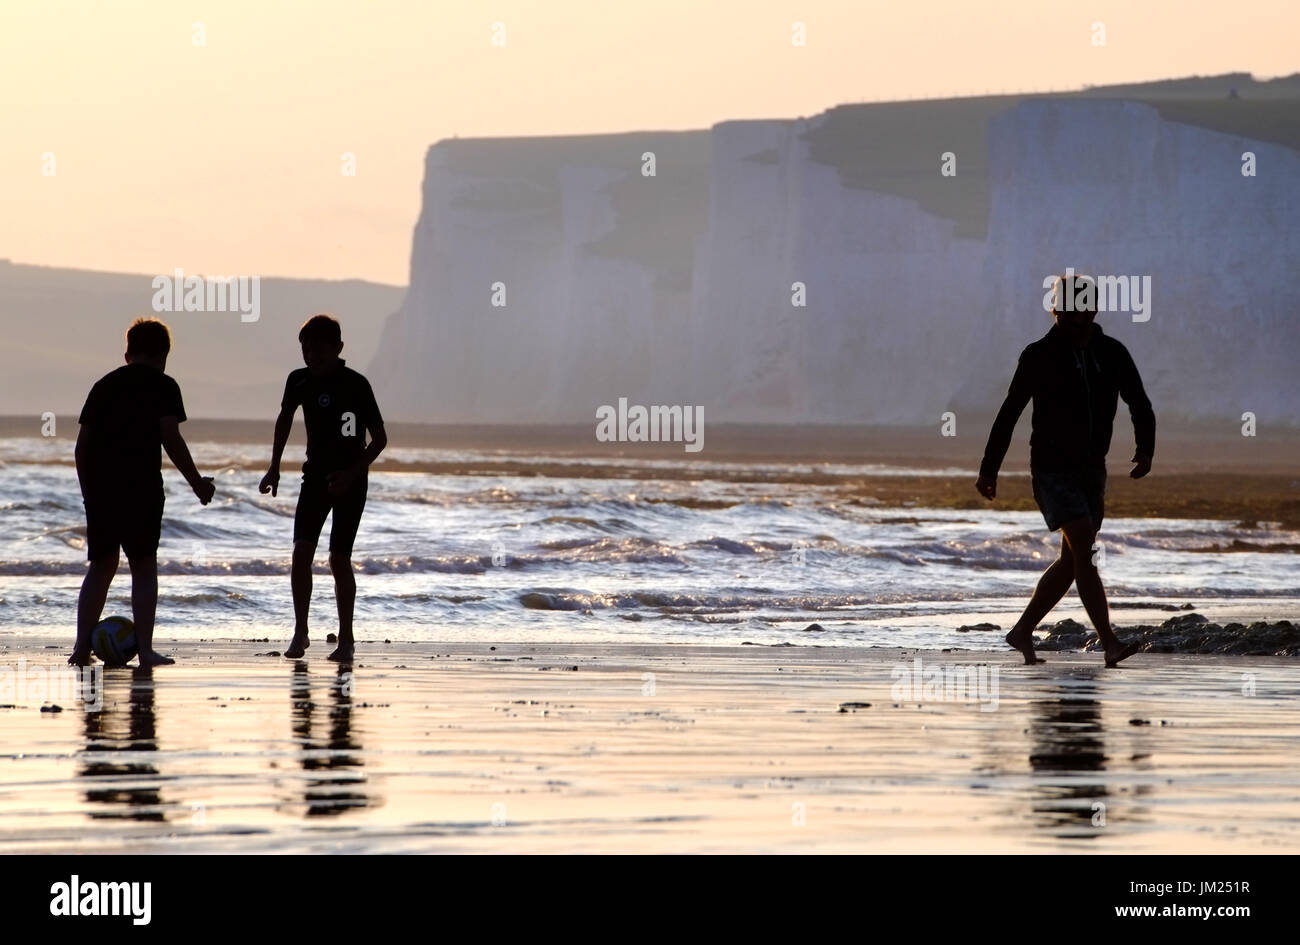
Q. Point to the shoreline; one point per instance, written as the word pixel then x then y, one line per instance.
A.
pixel 1231 628
pixel 1232 479
pixel 1185 633
pixel 1186 446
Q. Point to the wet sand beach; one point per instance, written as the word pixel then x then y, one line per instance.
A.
pixel 427 747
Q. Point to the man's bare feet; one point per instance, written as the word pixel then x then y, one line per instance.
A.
pixel 344 654
pixel 81 657
pixel 1024 642
pixel 155 658
pixel 297 647
pixel 1113 657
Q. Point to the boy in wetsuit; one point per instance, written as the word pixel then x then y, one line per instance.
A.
pixel 130 413
pixel 338 408
pixel 1074 375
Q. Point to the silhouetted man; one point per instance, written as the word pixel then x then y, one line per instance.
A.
pixel 1074 375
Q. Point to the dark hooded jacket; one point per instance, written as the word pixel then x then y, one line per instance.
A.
pixel 1075 392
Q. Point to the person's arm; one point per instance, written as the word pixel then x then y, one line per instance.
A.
pixel 179 453
pixel 372 423
pixel 378 440
pixel 1018 395
pixel 80 456
pixel 283 427
pixel 89 420
pixel 340 481
pixel 1142 415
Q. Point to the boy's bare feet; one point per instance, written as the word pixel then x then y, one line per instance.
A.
pixel 1024 642
pixel 81 657
pixel 343 654
pixel 155 658
pixel 1113 656
pixel 297 647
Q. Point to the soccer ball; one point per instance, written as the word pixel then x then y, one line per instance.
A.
pixel 113 640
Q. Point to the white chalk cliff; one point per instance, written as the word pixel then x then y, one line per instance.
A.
pixel 920 289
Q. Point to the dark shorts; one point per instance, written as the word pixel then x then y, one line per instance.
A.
pixel 122 520
pixel 1064 495
pixel 315 503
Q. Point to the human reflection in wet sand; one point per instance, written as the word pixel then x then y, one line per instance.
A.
pixel 1067 744
pixel 126 783
pixel 335 782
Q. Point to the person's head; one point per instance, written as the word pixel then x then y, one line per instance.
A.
pixel 1074 305
pixel 321 338
pixel 148 341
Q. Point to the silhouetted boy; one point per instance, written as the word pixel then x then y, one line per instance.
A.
pixel 338 408
pixel 1074 375
pixel 129 414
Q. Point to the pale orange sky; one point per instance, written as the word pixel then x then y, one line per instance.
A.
pixel 225 158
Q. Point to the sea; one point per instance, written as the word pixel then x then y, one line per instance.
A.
pixel 694 557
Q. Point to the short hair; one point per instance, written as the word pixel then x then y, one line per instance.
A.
pixel 323 328
pixel 148 338
pixel 1083 298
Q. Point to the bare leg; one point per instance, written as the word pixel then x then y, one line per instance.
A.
pixel 1056 580
pixel 300 580
pixel 345 591
pixel 1079 533
pixel 90 605
pixel 144 604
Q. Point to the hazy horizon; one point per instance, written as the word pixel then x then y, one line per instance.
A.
pixel 227 156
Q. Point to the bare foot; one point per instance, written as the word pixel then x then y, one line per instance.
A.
pixel 81 657
pixel 343 654
pixel 155 659
pixel 1024 642
pixel 1113 656
pixel 297 647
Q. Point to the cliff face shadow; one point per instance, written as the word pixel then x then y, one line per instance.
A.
pixel 118 764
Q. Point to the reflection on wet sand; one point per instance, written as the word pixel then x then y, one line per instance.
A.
pixel 1188 754
pixel 1071 794
pixel 335 783
pixel 120 746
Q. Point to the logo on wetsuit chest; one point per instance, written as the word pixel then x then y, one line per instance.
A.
pixel 323 400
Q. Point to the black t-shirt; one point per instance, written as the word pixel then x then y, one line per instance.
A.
pixel 337 408
pixel 122 417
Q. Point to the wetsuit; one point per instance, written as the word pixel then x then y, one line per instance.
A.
pixel 338 408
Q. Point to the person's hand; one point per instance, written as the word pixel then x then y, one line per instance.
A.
pixel 270 482
pixel 1143 465
pixel 987 487
pixel 337 483
pixel 205 490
